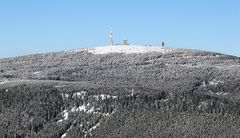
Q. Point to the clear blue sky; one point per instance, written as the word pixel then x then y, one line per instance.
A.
pixel 36 26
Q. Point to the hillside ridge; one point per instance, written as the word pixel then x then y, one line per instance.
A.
pixel 99 92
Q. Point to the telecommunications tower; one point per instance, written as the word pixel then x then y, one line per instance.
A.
pixel 111 36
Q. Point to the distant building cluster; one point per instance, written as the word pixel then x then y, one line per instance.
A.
pixel 125 40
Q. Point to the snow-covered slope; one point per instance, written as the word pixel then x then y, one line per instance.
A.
pixel 128 49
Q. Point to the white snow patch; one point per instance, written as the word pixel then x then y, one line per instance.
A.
pixel 106 114
pixel 64 135
pixel 204 84
pixel 132 92
pixel 94 127
pixel 222 93
pixel 103 97
pixel 128 49
pixel 79 94
pixel 165 100
pixel 91 110
pixel 74 109
pixel 65 95
pixel 36 73
pixel 4 81
pixel 150 61
pixel 91 129
pixel 87 108
pixel 215 82
pixel 80 108
pixel 65 115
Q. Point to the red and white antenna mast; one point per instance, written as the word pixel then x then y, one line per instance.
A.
pixel 111 36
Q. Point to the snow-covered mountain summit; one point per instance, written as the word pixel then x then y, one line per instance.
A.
pixel 91 93
pixel 128 49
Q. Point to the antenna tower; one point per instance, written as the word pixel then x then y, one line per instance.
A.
pixel 111 36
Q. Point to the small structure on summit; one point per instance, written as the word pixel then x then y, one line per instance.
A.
pixel 111 36
pixel 125 41
pixel 163 44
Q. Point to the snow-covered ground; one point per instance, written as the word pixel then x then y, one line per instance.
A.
pixel 88 108
pixel 128 49
pixel 3 81
pixel 36 73
pixel 213 82
pixel 65 95
pixel 64 135
pixel 91 129
pixel 104 96
pixel 222 93
pixel 65 114
pixel 79 94
pixel 80 108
